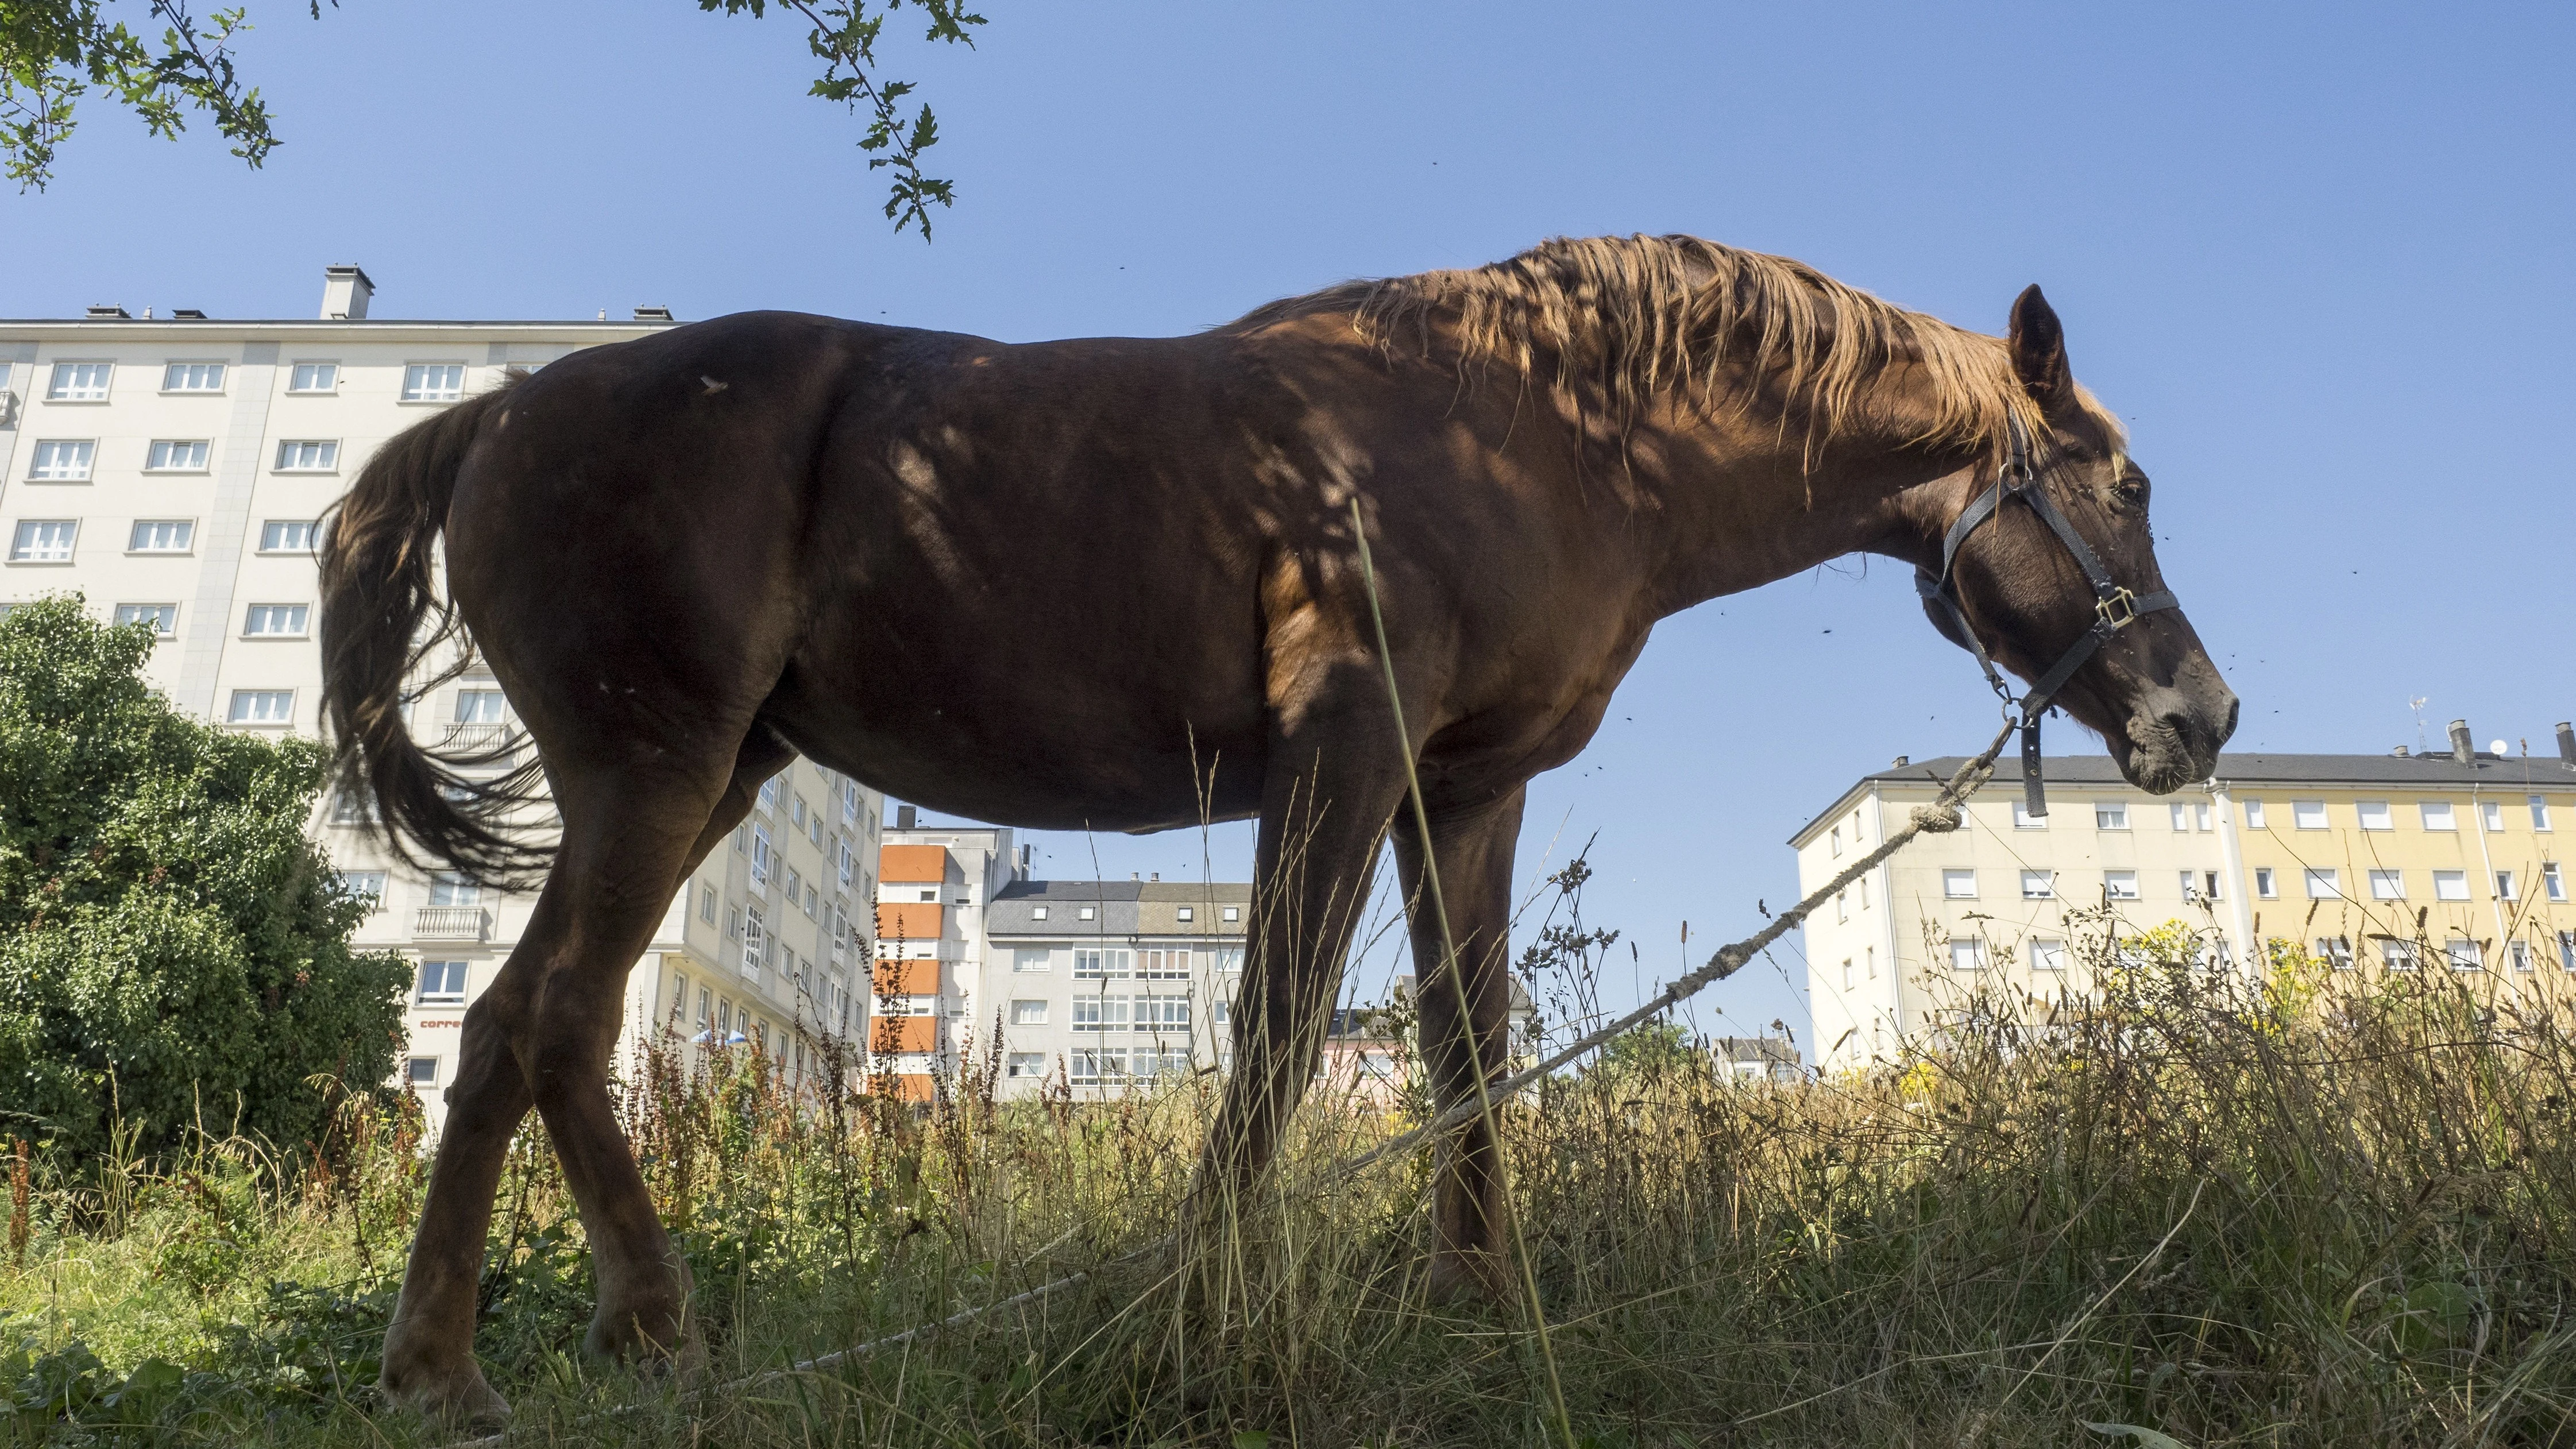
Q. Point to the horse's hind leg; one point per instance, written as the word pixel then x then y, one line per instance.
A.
pixel 1473 850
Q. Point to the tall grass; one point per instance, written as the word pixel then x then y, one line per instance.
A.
pixel 2287 1212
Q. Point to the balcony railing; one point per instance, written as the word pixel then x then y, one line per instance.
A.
pixel 451 923
pixel 473 737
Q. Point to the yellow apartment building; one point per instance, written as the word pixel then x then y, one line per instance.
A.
pixel 2376 863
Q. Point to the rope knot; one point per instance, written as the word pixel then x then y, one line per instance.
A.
pixel 1937 819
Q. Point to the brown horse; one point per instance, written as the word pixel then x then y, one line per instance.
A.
pixel 1108 582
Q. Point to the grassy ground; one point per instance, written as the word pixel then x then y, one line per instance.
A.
pixel 2199 1215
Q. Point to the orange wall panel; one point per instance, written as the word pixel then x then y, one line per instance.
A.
pixel 908 921
pixel 890 1034
pixel 906 978
pixel 912 864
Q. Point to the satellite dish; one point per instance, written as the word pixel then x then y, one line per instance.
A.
pixel 2496 748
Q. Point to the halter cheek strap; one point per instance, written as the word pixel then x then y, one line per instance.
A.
pixel 2114 608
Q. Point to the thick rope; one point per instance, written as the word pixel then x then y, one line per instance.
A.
pixel 1938 818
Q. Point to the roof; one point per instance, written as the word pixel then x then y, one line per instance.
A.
pixel 1124 908
pixel 2420 772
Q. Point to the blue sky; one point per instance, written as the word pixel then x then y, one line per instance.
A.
pixel 2320 257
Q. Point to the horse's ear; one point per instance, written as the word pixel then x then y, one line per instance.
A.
pixel 2039 349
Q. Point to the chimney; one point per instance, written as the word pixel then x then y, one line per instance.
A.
pixel 2399 752
pixel 108 312
pixel 1158 875
pixel 345 293
pixel 1901 763
pixel 652 314
pixel 2567 742
pixel 2461 749
pixel 905 816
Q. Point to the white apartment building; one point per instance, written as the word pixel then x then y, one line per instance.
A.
pixel 2358 859
pixel 173 470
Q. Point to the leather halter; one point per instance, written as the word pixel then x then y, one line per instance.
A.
pixel 2114 608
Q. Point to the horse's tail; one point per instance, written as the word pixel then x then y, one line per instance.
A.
pixel 384 612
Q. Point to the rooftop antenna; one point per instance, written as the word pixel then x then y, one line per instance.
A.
pixel 2417 704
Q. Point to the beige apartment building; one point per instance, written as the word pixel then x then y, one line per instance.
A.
pixel 173 471
pixel 2455 861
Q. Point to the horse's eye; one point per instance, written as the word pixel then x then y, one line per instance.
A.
pixel 2132 490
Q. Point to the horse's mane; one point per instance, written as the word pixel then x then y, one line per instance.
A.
pixel 1626 319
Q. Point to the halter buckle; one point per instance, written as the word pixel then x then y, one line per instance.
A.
pixel 2119 610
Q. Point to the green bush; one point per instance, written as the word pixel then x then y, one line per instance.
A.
pixel 173 949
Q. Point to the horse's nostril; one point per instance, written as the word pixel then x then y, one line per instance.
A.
pixel 2227 731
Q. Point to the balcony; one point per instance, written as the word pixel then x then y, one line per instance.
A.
pixel 451 923
pixel 474 739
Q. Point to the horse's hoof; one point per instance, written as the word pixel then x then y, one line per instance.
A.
pixel 455 1399
pixel 651 1337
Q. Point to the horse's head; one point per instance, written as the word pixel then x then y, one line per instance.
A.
pixel 2149 689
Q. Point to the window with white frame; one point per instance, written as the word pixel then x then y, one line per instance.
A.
pixel 763 857
pixel 848 864
pixel 442 982
pixel 1099 964
pixel 43 540
pixel 2209 885
pixel 262 707
pixel 2518 954
pixel 2254 815
pixel 308 455
pixel 1967 953
pixel 755 941
pixel 1231 913
pixel 286 535
pixel 1026 960
pixel 192 377
pixel 2553 882
pixel 2264 885
pixel 1030 1065
pixel 2335 951
pixel 2308 814
pixel 62 460
pixel 163 619
pixel 2506 886
pixel 733 923
pixel 307 377
pixel 2200 817
pixel 2120 885
pixel 1188 914
pixel 161 535
pixel 1162 1013
pixel 2038 885
pixel 2491 815
pixel 1849 978
pixel 1229 961
pixel 1959 885
pixel 2110 815
pixel 2047 954
pixel 2450 885
pixel 353 805
pixel 2395 954
pixel 769 794
pixel 2374 815
pixel 707 905
pixel 1025 1012
pixel 454 888
pixel 2388 885
pixel 1834 841
pixel 433 382
pixel 1099 1013
pixel 79 382
pixel 1842 907
pixel 364 885
pixel 2437 815
pixel 2323 882
pixel 177 455
pixel 2464 954
pixel 1163 963
pixel 2539 812
pixel 480 706
pixel 2567 950
pixel 276 621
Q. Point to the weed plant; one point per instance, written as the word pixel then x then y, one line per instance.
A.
pixel 2319 1208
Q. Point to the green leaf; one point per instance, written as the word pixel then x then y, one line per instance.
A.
pixel 1252 1439
pixel 2147 1438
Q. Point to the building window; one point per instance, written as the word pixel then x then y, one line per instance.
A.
pixel 308 455
pixel 2553 884
pixel 2038 885
pixel 2395 954
pixel 162 619
pixel 2323 883
pixel 769 794
pixel 2464 954
pixel 1188 914
pixel 2047 955
pixel 1163 1013
pixel 43 540
pixel 161 535
pixel 755 942
pixel 433 382
pixel 176 455
pixel 2518 952
pixel 1028 1013
pixel 1849 980
pixel 480 706
pixel 849 802
pixel 2504 886
pixel 2437 815
pixel 1842 908
pixel 707 904
pixel 1084 914
pixel 2539 812
pixel 733 924
pixel 2120 885
pixel 1231 913
pixel 2567 950
pixel 2200 816
pixel 193 377
pixel 364 885
pixel 442 982
pixel 2024 820
pixel 1026 1064
pixel 1834 841
pixel 62 460
pixel 763 857
pixel 1028 959
pixel 2388 885
pixel 1037 913
pixel 2181 815
pixel 79 382
pixel 2335 951
pixel 2450 885
pixel 286 535
pixel 1100 1013
pixel 275 621
pixel 2308 814
pixel 796 811
pixel 2110 815
pixel 262 707
pixel 2491 814
pixel 2374 815
pixel 2263 884
pixel 454 888
pixel 2208 885
pixel 2254 815
pixel 1959 885
pixel 848 862
pixel 313 377
pixel 1863 883
pixel 795 887
pixel 1967 953
pixel 353 806
pixel 1163 964
pixel 1098 965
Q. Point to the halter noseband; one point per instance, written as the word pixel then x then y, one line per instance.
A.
pixel 2114 608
